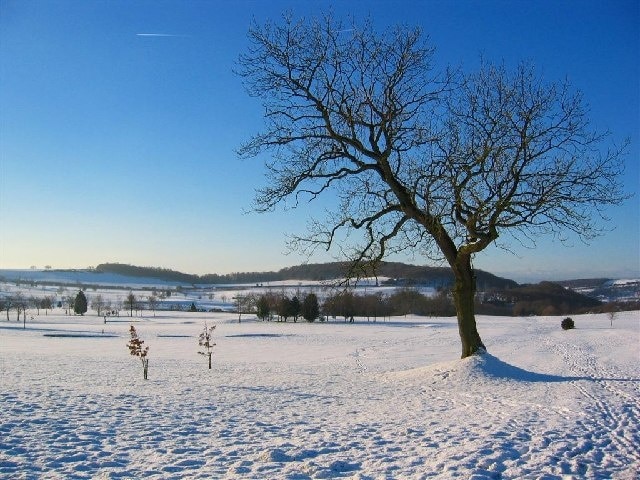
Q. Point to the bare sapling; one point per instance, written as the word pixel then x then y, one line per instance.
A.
pixel 205 340
pixel 137 349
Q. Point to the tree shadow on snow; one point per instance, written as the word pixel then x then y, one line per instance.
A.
pixel 493 367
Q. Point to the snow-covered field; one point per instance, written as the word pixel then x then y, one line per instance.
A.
pixel 385 400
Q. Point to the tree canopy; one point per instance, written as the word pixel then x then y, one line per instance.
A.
pixel 439 162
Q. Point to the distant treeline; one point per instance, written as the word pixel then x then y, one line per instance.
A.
pixel 583 282
pixel 400 274
pixel 544 298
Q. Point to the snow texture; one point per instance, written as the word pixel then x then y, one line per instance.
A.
pixel 369 400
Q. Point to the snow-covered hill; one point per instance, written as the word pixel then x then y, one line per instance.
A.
pixel 385 400
pixel 80 277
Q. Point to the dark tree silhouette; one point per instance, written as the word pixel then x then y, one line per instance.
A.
pixel 283 307
pixel 80 303
pixel 437 163
pixel 295 308
pixel 263 309
pixel 310 308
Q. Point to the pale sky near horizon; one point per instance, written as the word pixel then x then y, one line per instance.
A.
pixel 119 122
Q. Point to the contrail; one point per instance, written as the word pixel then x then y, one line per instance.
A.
pixel 159 35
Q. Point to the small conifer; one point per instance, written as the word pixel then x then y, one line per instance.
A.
pixel 80 303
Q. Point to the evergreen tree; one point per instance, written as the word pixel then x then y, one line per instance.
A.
pixel 310 308
pixel 295 308
pixel 284 307
pixel 263 308
pixel 80 304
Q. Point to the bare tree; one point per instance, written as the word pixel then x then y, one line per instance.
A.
pixel 131 302
pixel 441 164
pixel 69 303
pixel 243 304
pixel 20 304
pixel 6 303
pixel 46 303
pixel 98 304
pixel 205 340
pixel 612 313
pixel 152 301
pixel 35 302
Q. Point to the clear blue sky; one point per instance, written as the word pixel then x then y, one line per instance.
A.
pixel 116 146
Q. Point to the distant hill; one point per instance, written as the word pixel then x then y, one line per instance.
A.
pixel 606 289
pixel 547 298
pixel 583 283
pixel 498 296
pixel 398 273
pixel 146 272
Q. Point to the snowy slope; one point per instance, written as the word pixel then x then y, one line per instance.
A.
pixel 85 277
pixel 301 401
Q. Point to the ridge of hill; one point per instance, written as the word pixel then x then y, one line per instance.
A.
pixel 398 274
pixel 547 298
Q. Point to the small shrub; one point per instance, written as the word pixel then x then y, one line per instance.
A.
pixel 567 324
pixel 205 340
pixel 137 349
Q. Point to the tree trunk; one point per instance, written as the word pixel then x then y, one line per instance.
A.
pixel 145 367
pixel 464 296
pixel 209 361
